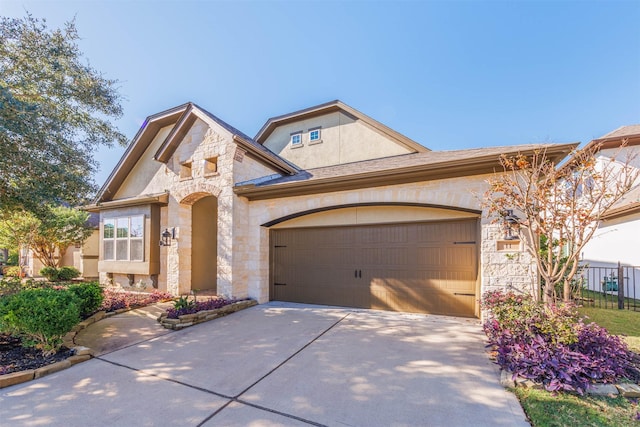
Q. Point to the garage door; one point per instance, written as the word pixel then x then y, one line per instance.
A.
pixel 428 267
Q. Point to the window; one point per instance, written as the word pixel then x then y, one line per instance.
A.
pixel 211 166
pixel 123 239
pixel 314 135
pixel 185 170
pixel 296 139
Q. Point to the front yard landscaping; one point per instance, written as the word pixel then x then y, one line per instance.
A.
pixel 565 354
pixel 35 316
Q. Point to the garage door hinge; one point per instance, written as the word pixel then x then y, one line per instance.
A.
pixel 280 246
pixel 279 284
pixel 464 243
pixel 466 295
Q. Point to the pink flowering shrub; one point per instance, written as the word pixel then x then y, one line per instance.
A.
pixel 183 306
pixel 552 345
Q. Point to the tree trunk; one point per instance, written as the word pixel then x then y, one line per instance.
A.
pixel 566 290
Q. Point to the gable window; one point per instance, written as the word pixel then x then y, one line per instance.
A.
pixel 314 135
pixel 296 139
pixel 123 239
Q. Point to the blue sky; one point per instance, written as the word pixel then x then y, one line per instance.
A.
pixel 448 74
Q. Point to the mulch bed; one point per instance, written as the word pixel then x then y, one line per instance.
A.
pixel 14 357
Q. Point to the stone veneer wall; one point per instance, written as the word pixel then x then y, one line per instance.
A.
pixel 497 270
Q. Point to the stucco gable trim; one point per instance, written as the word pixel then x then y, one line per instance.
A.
pixel 136 148
pixel 331 107
pixel 145 199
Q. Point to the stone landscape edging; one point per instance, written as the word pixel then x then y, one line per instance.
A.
pixel 81 353
pixel 628 390
pixel 187 320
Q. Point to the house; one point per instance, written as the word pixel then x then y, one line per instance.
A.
pixel 82 256
pixel 324 205
pixel 616 240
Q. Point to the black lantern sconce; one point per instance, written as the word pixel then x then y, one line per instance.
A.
pixel 166 236
pixel 510 222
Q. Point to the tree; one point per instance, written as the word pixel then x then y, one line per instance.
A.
pixel 560 206
pixel 49 237
pixel 60 229
pixel 54 113
pixel 17 232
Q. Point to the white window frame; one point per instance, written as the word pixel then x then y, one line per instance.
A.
pixel 129 238
pixel 296 136
pixel 316 140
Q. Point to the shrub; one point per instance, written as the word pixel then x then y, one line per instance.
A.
pixel 10 285
pixel 41 317
pixel 54 274
pixel 89 296
pixel 12 271
pixel 195 306
pixel 68 273
pixel 51 273
pixel 551 344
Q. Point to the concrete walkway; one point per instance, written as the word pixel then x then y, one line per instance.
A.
pixel 277 364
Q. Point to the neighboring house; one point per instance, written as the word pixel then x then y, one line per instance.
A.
pixel 83 256
pixel 324 205
pixel 618 236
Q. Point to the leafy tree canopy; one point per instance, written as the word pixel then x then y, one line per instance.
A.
pixel 48 237
pixel 55 111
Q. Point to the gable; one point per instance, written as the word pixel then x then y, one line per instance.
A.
pixel 141 176
pixel 345 136
pixel 343 139
pixel 161 136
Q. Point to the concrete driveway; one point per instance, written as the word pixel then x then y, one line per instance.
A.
pixel 281 364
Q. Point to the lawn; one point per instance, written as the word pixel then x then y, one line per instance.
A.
pixel 619 322
pixel 546 409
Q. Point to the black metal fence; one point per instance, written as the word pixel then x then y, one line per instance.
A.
pixel 616 287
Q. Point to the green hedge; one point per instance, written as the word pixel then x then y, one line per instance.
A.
pixel 41 317
pixel 89 295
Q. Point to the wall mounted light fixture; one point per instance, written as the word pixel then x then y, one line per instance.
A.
pixel 510 223
pixel 167 236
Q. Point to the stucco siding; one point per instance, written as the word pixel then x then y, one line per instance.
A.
pixel 615 240
pixel 147 176
pixel 343 140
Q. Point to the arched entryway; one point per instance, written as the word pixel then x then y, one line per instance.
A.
pixel 204 244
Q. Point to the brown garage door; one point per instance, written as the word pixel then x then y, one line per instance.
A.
pixel 428 267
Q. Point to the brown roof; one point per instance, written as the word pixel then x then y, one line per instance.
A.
pixel 629 134
pixel 622 131
pixel 393 170
pixel 627 205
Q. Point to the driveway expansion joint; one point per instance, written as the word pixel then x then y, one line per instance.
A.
pixel 237 397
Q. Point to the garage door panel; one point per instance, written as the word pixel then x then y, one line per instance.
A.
pixel 419 267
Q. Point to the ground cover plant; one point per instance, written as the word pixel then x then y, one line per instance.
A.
pixel 624 323
pixel 184 306
pixel 551 344
pixel 117 299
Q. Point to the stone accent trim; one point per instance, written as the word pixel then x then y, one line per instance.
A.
pixel 187 320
